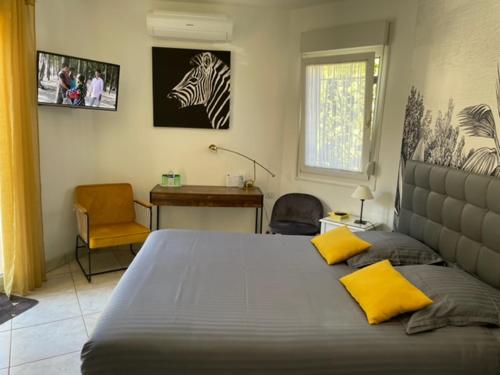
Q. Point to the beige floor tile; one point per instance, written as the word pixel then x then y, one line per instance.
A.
pixel 94 296
pixel 68 364
pixel 103 280
pixel 53 286
pixel 59 271
pixel 91 321
pixel 102 260
pixel 56 300
pixel 47 340
pixel 4 349
pixel 73 266
pixel 124 256
pixel 52 307
pixel 94 300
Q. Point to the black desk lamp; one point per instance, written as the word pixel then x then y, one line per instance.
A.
pixel 248 183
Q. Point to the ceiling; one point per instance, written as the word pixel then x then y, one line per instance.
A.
pixel 289 4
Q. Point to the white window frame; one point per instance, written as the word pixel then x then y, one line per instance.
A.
pixel 372 125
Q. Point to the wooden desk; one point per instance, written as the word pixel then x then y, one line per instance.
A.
pixel 208 196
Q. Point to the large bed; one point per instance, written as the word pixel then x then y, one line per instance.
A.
pixel 227 303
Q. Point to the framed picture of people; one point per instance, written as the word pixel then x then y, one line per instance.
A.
pixel 191 88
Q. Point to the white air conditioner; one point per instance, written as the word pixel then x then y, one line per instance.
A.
pixel 192 26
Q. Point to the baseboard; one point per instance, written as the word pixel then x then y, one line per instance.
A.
pixel 60 260
pixel 50 265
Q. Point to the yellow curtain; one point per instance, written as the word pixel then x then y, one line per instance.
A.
pixel 21 235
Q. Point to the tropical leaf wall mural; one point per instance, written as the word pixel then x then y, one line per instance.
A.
pixel 442 140
pixel 479 121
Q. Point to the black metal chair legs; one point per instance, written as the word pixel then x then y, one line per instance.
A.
pixel 132 250
pixel 89 274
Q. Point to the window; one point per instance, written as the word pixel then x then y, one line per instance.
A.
pixel 339 112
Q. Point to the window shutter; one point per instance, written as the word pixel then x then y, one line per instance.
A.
pixel 346 36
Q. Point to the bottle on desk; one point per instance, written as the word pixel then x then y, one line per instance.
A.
pixel 171 179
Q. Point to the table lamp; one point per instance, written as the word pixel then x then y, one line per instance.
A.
pixel 248 183
pixel 362 193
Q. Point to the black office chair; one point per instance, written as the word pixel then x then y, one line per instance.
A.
pixel 296 214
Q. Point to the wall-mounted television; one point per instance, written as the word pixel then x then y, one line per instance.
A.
pixel 74 82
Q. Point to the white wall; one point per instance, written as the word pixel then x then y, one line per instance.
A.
pixel 81 146
pixel 402 14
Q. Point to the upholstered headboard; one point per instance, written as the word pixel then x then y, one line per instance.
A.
pixel 455 213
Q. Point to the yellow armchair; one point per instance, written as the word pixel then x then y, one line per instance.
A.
pixel 105 215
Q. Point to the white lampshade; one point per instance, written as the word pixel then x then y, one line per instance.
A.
pixel 362 192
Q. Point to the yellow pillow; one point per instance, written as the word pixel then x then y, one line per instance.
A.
pixel 339 244
pixel 382 292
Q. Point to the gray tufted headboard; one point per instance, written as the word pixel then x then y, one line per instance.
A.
pixel 455 213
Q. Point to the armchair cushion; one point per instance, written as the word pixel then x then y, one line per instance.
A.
pixel 107 203
pixel 106 235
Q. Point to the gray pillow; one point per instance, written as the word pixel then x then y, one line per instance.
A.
pixel 399 248
pixel 459 299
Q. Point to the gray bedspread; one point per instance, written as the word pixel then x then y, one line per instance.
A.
pixel 228 303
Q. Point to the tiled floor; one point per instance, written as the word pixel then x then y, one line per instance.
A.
pixel 47 339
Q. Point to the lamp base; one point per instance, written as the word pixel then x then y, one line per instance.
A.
pixel 362 222
pixel 249 183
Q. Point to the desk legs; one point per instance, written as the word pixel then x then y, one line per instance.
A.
pixel 261 213
pixel 258 219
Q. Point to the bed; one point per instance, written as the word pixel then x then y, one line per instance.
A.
pixel 226 303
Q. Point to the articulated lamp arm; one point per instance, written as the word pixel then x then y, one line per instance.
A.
pixel 255 162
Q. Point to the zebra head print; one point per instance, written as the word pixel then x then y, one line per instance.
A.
pixel 207 84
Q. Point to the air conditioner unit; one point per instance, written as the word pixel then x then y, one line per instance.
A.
pixel 190 26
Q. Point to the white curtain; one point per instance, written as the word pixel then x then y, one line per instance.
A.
pixel 334 115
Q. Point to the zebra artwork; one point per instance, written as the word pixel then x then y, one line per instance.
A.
pixel 191 88
pixel 207 83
